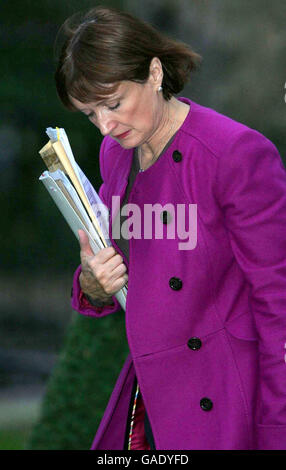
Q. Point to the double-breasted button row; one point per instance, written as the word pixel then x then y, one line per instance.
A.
pixel 195 343
pixel 165 215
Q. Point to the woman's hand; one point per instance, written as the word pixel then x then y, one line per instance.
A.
pixel 102 274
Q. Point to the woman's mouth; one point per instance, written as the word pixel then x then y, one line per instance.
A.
pixel 122 136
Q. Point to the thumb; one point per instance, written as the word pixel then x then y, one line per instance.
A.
pixel 84 244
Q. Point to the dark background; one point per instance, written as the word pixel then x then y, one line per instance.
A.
pixel 243 75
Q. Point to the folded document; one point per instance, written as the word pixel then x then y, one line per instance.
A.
pixel 74 195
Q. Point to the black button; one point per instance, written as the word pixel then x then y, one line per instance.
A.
pixel 175 283
pixel 177 156
pixel 194 343
pixel 206 404
pixel 165 216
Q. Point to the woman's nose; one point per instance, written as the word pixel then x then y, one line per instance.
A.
pixel 105 124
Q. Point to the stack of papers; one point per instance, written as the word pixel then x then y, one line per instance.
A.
pixel 74 195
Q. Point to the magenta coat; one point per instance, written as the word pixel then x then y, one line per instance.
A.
pixel 208 349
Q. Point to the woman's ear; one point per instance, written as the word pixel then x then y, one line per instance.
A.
pixel 156 73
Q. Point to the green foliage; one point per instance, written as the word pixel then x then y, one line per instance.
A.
pixel 81 383
pixel 14 439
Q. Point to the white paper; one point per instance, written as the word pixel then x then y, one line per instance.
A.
pixel 75 222
pixel 99 209
pixel 59 134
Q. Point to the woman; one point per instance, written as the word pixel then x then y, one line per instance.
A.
pixel 205 317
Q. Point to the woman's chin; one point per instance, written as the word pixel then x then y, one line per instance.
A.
pixel 124 143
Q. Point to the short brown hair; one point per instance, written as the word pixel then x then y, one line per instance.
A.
pixel 106 46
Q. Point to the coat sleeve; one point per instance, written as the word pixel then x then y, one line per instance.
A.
pixel 251 182
pixel 78 300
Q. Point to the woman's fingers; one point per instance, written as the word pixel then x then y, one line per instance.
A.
pixel 107 260
pixel 109 270
pixel 87 254
pixel 104 271
pixel 114 286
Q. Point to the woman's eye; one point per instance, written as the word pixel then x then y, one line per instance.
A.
pixel 112 108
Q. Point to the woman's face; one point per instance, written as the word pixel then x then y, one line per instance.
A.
pixel 132 115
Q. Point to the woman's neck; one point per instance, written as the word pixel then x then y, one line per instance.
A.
pixel 173 114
